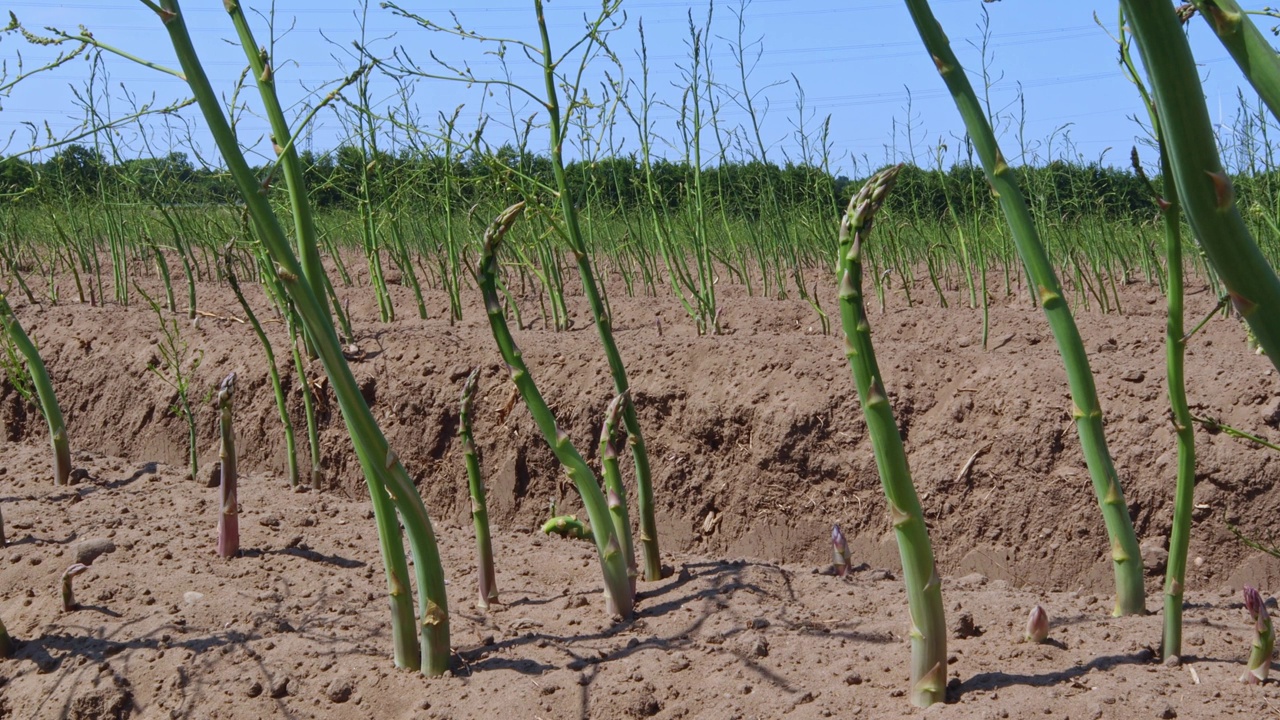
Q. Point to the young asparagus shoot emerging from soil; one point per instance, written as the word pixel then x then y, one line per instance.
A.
pixel 44 391
pixel 920 574
pixel 619 598
pixel 1264 638
pixel 479 507
pixel 1037 625
pixel 228 505
pixel 69 603
pixel 1086 410
pixel 841 558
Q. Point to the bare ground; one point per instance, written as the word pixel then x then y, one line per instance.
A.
pixel 758 447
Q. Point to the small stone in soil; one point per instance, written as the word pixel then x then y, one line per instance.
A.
pixel 339 691
pixel 91 549
pixel 966 627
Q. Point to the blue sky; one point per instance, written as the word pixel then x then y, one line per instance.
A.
pixel 858 61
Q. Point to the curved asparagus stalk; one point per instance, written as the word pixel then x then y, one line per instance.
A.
pixel 1125 555
pixel 1248 47
pixel 1203 185
pixel 615 492
pixel 920 574
pixel 618 596
pixel 69 603
pixel 44 391
pixel 1264 638
pixel 228 504
pixel 479 507
pixel 567 526
pixel 391 490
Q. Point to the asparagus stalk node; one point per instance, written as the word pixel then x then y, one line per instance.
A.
pixel 228 503
pixel 1264 638
pixel 920 574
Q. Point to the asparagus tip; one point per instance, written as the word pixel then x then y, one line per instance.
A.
pixel 841 556
pixel 1037 625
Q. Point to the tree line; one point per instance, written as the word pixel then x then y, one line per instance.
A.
pixel 347 176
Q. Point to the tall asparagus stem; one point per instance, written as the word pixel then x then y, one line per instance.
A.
pixel 479 506
pixel 1086 410
pixel 44 391
pixel 1175 364
pixel 1264 638
pixel 390 488
pixel 303 221
pixel 603 320
pixel 920 574
pixel 228 503
pixel 619 598
pixel 1203 185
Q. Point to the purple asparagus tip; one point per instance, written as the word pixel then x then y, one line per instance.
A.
pixel 841 556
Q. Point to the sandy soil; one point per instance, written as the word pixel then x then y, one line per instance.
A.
pixel 758 447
